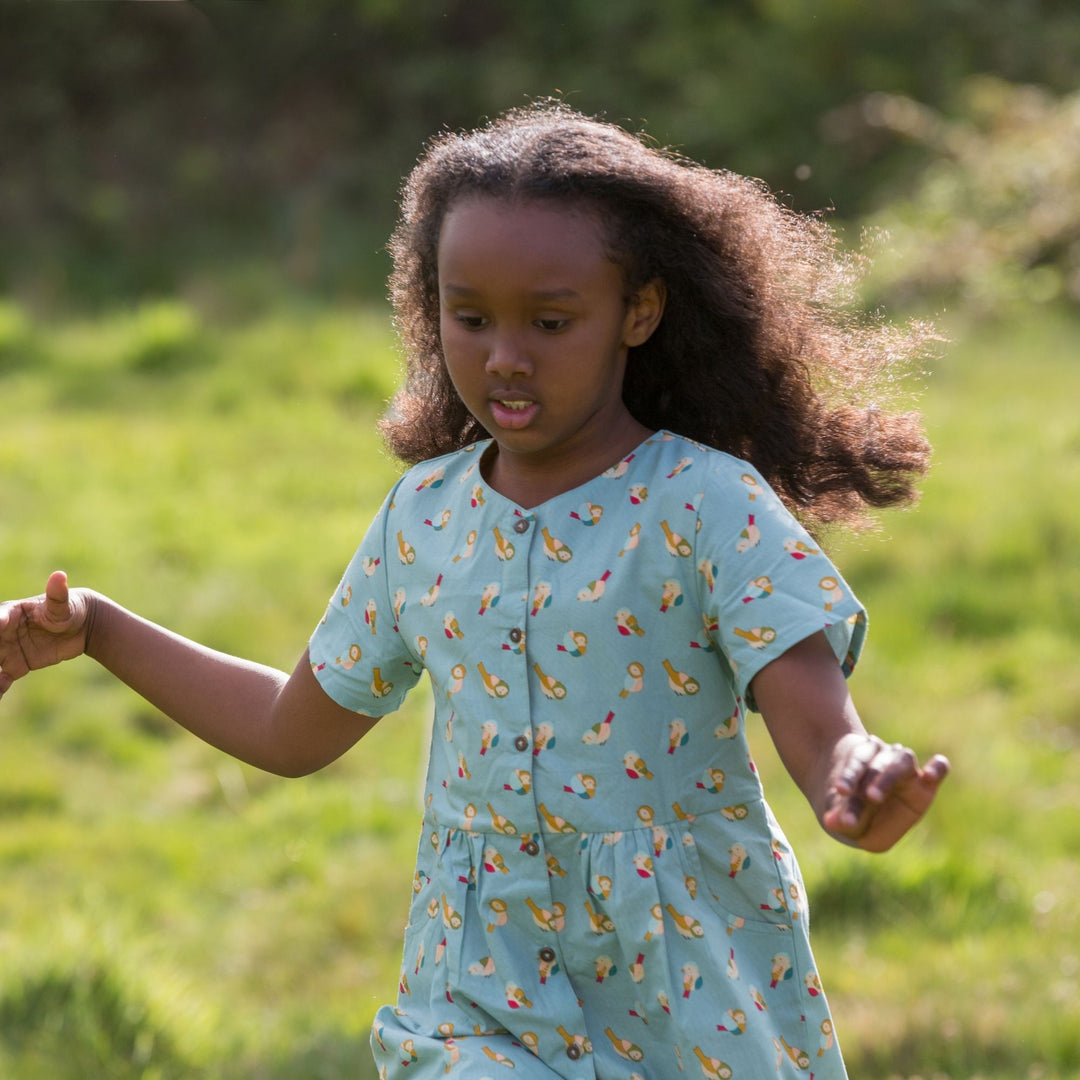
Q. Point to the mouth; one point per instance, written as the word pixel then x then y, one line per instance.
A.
pixel 513 412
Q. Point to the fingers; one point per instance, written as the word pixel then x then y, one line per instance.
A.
pixel 891 766
pixel 874 768
pixel 852 778
pixel 880 792
pixel 56 597
pixel 936 769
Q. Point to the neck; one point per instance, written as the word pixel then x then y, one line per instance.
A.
pixel 530 482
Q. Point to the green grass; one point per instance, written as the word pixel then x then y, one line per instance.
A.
pixel 167 914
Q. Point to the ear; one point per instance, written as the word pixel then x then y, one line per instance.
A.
pixel 643 312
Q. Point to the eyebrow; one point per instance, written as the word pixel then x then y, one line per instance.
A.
pixel 540 294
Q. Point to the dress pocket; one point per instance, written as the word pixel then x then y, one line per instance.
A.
pixel 740 871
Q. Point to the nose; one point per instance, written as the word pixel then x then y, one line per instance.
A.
pixel 507 356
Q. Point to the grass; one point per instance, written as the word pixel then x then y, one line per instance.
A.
pixel 166 913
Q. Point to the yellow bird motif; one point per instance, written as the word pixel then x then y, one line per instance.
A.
pixel 553 920
pixel 635 679
pixel 599 923
pixel 686 925
pixel 495 686
pixel 712 1068
pixel 757 637
pixel 680 682
pixel 676 545
pixel 555 822
pixel 406 552
pixel 380 687
pixel 624 1047
pixel 554 548
pixel 501 824
pixel 549 686
pixel 504 550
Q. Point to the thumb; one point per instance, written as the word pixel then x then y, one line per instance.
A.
pixel 56 597
pixel 936 769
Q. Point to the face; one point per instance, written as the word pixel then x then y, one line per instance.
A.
pixel 535 328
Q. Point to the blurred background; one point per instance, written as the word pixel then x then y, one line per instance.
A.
pixel 194 346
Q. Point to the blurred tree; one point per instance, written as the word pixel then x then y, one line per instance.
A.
pixel 994 220
pixel 140 141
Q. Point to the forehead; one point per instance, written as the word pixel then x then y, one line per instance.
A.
pixel 485 235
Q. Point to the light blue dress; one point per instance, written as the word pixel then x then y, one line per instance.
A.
pixel 601 889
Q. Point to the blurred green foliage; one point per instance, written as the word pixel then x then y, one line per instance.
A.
pixel 993 223
pixel 169 913
pixel 152 146
pixel 193 195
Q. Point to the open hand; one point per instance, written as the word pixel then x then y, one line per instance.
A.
pixel 42 630
pixel 880 792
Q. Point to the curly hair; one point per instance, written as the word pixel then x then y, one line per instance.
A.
pixel 759 353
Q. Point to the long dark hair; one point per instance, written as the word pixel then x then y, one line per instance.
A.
pixel 759 352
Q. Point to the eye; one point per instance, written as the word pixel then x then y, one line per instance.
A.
pixel 552 326
pixel 471 322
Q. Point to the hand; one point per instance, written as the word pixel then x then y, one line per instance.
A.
pixel 879 792
pixel 43 630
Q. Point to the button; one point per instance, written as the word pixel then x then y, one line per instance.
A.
pixel 521 525
pixel 573 1051
pixel 522 742
pixel 547 954
pixel 531 847
pixel 516 634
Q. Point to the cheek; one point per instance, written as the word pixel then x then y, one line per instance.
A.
pixel 456 359
pixel 447 325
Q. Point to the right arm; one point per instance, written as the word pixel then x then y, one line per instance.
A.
pixel 286 724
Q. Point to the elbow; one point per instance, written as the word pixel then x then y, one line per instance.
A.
pixel 294 768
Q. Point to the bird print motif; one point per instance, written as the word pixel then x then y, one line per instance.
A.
pixel 596 852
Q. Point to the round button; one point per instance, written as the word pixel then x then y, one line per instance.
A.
pixel 516 634
pixel 521 525
pixel 547 954
pixel 531 847
pixel 522 742
pixel 573 1051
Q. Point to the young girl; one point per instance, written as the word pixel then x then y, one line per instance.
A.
pixel 628 376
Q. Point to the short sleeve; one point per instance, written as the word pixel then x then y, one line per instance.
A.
pixel 769 584
pixel 356 651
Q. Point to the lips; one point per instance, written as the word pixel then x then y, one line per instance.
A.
pixel 513 410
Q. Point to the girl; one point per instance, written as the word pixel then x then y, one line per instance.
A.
pixel 628 376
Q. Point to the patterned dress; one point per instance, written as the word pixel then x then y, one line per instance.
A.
pixel 601 889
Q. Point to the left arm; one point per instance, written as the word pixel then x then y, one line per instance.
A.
pixel 863 791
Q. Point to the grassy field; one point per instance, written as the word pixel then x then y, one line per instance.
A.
pixel 167 914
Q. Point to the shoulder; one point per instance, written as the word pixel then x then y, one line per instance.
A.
pixel 442 474
pixel 676 458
